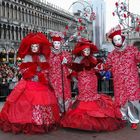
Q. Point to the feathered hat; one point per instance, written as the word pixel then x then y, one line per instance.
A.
pixel 82 44
pixel 115 31
pixel 34 38
pixel 57 36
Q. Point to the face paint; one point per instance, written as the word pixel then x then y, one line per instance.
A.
pixel 35 48
pixel 86 51
pixel 57 45
pixel 117 39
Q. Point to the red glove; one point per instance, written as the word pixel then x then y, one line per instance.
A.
pixel 28 70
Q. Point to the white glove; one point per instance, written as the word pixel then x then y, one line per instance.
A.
pixel 70 70
pixel 99 66
pixel 74 79
pixel 64 60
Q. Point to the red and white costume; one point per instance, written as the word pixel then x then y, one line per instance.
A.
pixel 125 74
pixel 32 106
pixel 59 71
pixel 123 63
pixel 91 111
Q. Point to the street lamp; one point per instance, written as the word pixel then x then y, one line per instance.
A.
pixel 79 27
pixel 129 20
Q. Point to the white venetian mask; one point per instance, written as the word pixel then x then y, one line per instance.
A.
pixel 35 48
pixel 57 45
pixel 86 51
pixel 117 39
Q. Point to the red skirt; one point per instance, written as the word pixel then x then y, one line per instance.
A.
pixel 98 115
pixel 30 108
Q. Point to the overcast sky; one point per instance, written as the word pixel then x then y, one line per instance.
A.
pixel 134 6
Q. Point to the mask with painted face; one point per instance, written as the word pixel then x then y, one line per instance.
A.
pixel 35 48
pixel 86 51
pixel 118 41
pixel 57 45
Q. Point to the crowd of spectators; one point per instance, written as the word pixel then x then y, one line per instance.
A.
pixel 9 76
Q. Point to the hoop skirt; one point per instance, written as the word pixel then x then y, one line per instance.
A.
pixel 30 108
pixel 92 111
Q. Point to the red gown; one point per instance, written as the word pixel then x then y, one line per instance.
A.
pixel 91 111
pixel 31 107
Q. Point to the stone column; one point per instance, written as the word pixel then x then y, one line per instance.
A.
pixel 2 33
pixel 17 14
pixel 14 33
pixel 21 33
pixel 7 33
pixel 30 16
pixel 1 11
pixel 14 13
pixel 10 33
pixel 5 10
pixel 10 13
pixel 24 16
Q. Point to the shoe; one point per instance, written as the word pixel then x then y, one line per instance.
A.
pixel 134 126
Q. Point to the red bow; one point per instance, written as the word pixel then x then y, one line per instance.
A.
pixel 89 61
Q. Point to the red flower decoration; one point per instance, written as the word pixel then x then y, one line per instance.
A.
pixel 79 33
pixel 137 29
pixel 124 15
pixel 137 19
pixel 80 28
pixel 64 33
pixel 116 4
pixel 113 14
pixel 80 20
pixel 67 27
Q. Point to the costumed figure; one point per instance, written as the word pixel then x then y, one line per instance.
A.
pixel 32 106
pixel 122 62
pixel 59 71
pixel 91 111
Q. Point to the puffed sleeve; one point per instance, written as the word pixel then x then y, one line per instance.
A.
pixel 28 68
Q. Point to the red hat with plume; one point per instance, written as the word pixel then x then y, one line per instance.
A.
pixel 34 38
pixel 57 36
pixel 115 31
pixel 82 44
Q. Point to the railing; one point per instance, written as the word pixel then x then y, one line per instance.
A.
pixel 104 86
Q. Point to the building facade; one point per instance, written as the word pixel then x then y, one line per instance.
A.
pixel 19 17
pixel 99 7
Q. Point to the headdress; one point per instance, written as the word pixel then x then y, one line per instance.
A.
pixel 82 44
pixel 34 38
pixel 115 31
pixel 57 36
